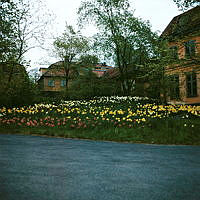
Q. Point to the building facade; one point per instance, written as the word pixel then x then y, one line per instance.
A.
pixel 53 78
pixel 183 36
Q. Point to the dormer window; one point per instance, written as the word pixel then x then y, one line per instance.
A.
pixel 190 48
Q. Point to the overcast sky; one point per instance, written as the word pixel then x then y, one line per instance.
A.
pixel 158 12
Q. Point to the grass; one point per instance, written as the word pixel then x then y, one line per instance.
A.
pixel 158 131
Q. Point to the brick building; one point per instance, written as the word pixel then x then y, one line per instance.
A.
pixel 183 36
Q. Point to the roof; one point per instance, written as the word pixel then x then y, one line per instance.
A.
pixel 56 64
pixel 55 70
pixel 184 24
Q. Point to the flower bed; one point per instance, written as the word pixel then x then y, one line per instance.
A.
pixel 99 112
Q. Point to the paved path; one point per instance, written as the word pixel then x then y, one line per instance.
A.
pixel 41 168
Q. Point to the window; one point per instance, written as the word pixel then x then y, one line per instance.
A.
pixel 190 48
pixel 51 83
pixel 174 87
pixel 174 52
pixel 63 83
pixel 191 85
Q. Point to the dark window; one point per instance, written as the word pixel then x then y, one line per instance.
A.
pixel 174 52
pixel 174 87
pixel 51 83
pixel 190 48
pixel 63 83
pixel 191 85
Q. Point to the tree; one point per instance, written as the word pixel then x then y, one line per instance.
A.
pixel 88 60
pixel 32 25
pixel 22 27
pixel 125 38
pixel 20 90
pixel 69 47
pixel 8 34
pixel 158 83
pixel 88 85
pixel 185 4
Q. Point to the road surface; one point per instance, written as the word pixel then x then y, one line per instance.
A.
pixel 42 168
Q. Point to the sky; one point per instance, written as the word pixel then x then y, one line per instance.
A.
pixel 158 12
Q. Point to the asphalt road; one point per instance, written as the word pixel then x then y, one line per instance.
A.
pixel 41 168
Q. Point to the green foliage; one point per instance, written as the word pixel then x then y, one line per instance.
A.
pixel 88 85
pixel 17 89
pixel 70 47
pixel 21 29
pixel 185 4
pixel 128 40
pixel 88 60
pixel 8 35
